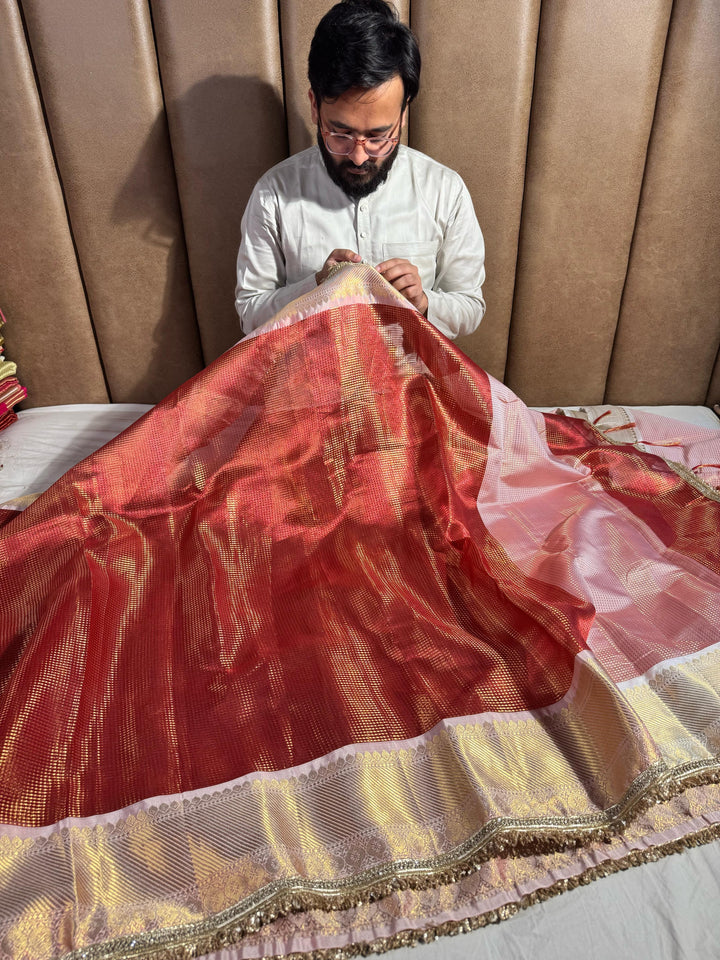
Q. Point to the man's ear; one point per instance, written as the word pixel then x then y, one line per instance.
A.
pixel 313 107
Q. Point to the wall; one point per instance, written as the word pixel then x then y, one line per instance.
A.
pixel 588 132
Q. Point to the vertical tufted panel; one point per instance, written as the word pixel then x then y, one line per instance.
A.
pixel 595 180
pixel 596 82
pixel 222 78
pixel 49 332
pixel 713 394
pixel 98 76
pixel 669 330
pixel 473 115
pixel 297 24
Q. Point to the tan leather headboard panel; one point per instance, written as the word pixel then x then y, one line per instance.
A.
pixel 98 78
pixel 596 80
pixel 670 316
pixel 40 286
pixel 481 130
pixel 131 134
pixel 222 77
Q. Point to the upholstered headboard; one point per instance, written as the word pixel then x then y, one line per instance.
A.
pixel 588 132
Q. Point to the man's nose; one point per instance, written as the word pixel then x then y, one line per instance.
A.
pixel 359 154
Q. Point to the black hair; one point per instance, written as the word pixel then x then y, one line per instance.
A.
pixel 362 44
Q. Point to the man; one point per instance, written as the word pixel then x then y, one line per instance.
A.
pixel 360 194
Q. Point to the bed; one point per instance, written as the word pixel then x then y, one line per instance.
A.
pixel 47 441
pixel 85 527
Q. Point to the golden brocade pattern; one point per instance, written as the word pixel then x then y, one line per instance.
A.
pixel 405 907
pixel 199 873
pixel 340 649
pixel 618 429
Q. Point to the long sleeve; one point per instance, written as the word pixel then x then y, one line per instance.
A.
pixel 423 212
pixel 261 289
pixel 455 304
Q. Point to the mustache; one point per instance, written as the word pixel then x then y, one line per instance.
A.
pixel 365 167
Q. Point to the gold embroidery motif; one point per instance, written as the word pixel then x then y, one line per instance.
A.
pixel 508 839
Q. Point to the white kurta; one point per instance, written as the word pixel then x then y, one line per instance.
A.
pixel 423 212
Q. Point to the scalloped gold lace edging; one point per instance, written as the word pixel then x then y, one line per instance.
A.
pixel 499 838
pixel 451 928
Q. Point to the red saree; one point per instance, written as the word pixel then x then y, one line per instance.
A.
pixel 301 658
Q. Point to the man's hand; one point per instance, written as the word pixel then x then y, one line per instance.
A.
pixel 336 257
pixel 404 276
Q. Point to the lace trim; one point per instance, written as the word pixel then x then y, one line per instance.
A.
pixel 694 480
pixel 500 838
pixel 410 938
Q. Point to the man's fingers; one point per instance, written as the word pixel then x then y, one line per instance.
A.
pixel 387 265
pixel 403 282
pixel 341 256
pixel 405 277
pixel 399 273
pixel 392 270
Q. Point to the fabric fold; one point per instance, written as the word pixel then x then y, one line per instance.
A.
pixel 340 643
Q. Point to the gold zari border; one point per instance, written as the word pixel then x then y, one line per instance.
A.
pixel 502 838
pixel 410 938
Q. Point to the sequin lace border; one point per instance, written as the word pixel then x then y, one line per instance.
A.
pixel 499 838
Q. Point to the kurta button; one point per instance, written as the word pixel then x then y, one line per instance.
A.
pixel 363 234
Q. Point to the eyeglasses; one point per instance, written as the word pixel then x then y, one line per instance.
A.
pixel 342 144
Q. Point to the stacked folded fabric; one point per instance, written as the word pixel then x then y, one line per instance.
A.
pixel 11 392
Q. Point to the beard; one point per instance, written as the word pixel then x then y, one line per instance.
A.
pixel 356 185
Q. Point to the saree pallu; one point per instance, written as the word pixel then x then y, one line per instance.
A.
pixel 341 647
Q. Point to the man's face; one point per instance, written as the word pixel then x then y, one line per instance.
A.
pixel 362 113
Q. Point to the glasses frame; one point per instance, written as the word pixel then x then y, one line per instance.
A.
pixel 361 141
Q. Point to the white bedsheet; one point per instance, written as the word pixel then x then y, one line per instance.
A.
pixel 45 442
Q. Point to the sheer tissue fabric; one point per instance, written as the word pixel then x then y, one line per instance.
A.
pixel 341 647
